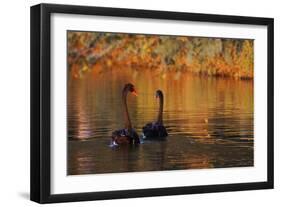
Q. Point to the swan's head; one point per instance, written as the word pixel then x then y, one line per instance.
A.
pixel 159 94
pixel 130 88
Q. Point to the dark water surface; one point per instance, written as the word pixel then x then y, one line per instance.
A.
pixel 209 121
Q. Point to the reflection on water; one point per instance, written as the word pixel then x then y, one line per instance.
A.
pixel 209 121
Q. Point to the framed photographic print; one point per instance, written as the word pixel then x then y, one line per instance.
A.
pixel 133 103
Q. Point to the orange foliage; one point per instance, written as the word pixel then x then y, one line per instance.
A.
pixel 203 56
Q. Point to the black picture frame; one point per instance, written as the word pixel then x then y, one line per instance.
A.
pixel 41 95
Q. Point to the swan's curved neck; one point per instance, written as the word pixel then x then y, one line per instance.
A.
pixel 128 123
pixel 160 112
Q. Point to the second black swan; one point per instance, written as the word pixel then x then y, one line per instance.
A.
pixel 156 129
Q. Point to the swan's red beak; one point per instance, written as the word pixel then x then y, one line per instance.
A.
pixel 134 92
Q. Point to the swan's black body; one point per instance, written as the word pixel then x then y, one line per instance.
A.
pixel 125 136
pixel 128 135
pixel 156 130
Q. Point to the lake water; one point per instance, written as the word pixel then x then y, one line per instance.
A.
pixel 209 121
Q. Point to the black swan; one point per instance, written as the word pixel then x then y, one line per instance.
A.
pixel 128 135
pixel 156 129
